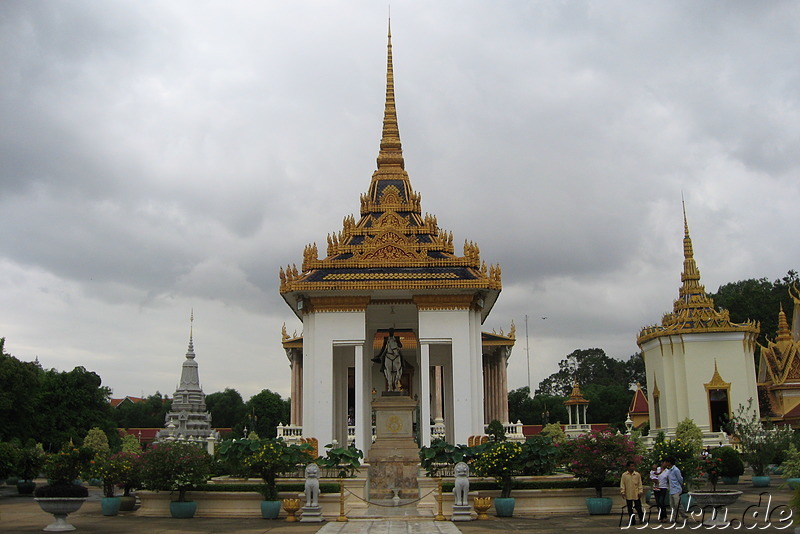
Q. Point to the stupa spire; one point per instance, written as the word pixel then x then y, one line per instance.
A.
pixel 391 151
pixel 190 353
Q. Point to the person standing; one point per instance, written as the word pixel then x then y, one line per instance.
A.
pixel 675 489
pixel 630 486
pixel 662 497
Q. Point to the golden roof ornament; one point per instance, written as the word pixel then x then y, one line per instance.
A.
pixel 576 397
pixel 693 311
pixel 780 359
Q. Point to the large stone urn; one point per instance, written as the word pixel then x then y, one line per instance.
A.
pixel 713 504
pixel 60 507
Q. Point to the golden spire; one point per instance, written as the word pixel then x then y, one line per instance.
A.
pixel 391 152
pixel 783 327
pixel 690 275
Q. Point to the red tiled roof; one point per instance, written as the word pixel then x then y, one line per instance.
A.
pixel 117 402
pixel 639 403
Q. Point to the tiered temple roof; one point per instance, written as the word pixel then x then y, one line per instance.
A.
pixel 392 246
pixel 694 311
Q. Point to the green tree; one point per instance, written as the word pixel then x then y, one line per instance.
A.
pixel 757 299
pixel 97 441
pixel 539 410
pixel 592 366
pixel 227 409
pixel 689 432
pixel 265 411
pixel 19 394
pixel 71 403
pixel 608 403
pixel 150 413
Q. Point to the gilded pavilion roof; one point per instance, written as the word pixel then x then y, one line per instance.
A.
pixel 392 245
pixel 780 359
pixel 693 311
pixel 576 397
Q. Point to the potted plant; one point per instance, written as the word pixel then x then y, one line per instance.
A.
pixel 271 457
pixel 111 470
pixel 594 457
pixel 29 462
pixel 732 465
pixel 760 442
pixel 501 460
pixel 176 467
pixel 61 496
pixel 129 479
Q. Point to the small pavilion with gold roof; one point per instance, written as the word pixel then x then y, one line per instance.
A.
pixel 779 368
pixel 393 268
pixel 699 364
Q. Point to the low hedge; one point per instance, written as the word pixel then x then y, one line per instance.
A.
pixel 532 484
pixel 255 488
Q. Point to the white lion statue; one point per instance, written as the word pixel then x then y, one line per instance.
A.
pixel 461 488
pixel 312 485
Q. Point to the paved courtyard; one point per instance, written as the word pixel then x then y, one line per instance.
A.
pixel 20 514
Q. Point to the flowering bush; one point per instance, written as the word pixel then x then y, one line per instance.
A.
pixel 711 466
pixel 501 460
pixel 174 467
pixel 684 452
pixel 65 466
pixel 113 470
pixel 597 455
pixel 271 457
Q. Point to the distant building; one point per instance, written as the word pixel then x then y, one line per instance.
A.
pixel 188 418
pixel 116 403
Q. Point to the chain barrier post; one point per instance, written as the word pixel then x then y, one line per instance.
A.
pixel 342 517
pixel 439 514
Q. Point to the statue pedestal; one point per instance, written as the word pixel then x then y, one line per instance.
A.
pixel 311 514
pixel 394 456
pixel 462 512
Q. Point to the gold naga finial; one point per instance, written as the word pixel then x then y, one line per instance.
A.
pixel 284 333
pixel 513 332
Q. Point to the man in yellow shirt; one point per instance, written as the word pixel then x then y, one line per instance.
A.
pixel 630 487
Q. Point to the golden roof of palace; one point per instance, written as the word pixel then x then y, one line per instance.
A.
pixel 693 311
pixel 392 245
pixel 780 359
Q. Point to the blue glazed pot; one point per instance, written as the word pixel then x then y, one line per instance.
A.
pixel 760 481
pixel 270 509
pixel 504 506
pixel 731 480
pixel 110 505
pixel 599 505
pixel 182 510
pixel 793 482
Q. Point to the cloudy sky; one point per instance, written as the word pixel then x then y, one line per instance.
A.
pixel 161 156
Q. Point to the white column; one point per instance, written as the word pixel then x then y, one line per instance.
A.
pixel 424 394
pixel 362 416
